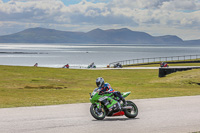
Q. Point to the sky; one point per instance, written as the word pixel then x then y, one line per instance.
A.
pixel 155 17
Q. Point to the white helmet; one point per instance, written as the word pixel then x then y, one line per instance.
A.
pixel 99 81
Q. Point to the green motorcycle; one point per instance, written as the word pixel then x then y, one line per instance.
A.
pixel 109 105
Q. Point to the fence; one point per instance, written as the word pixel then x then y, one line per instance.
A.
pixel 155 59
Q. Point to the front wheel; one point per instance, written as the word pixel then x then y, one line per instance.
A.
pixel 96 113
pixel 131 113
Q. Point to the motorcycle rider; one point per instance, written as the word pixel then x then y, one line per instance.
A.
pixel 105 87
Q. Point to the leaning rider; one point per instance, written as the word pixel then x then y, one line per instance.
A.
pixel 105 87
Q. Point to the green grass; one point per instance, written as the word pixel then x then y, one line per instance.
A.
pixel 31 86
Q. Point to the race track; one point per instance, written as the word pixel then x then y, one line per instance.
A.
pixel 125 68
pixel 159 115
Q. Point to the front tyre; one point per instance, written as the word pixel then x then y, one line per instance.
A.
pixel 96 113
pixel 131 113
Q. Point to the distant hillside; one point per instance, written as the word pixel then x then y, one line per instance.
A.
pixel 192 42
pixel 98 36
pixel 120 36
pixel 41 35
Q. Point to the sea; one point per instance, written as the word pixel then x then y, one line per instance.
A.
pixel 81 55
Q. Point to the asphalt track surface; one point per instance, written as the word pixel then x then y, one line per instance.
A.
pixel 159 115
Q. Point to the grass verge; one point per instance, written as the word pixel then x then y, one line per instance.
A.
pixel 31 86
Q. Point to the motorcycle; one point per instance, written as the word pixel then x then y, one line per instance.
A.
pixel 163 64
pixel 92 65
pixel 118 65
pixel 108 105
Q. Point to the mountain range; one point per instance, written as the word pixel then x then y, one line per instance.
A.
pixel 96 36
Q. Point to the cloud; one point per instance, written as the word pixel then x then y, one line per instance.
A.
pixel 138 4
pixel 39 11
pixel 184 5
pixel 134 14
pixel 158 4
pixel 43 11
pixel 166 12
pixel 118 11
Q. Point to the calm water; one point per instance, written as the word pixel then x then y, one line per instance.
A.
pixel 57 55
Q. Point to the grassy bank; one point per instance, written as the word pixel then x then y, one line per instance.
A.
pixel 31 86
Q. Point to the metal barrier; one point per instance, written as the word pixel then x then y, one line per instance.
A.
pixel 164 71
pixel 155 59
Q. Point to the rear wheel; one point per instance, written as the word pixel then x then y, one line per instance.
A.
pixel 131 113
pixel 96 113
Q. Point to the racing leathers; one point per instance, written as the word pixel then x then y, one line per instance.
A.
pixel 107 88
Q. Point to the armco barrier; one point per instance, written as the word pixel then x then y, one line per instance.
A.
pixel 164 71
pixel 156 59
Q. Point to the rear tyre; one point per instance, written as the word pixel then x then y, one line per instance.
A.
pixel 131 113
pixel 99 115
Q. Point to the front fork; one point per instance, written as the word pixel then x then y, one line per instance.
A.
pixel 99 107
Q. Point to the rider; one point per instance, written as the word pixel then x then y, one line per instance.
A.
pixel 106 87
